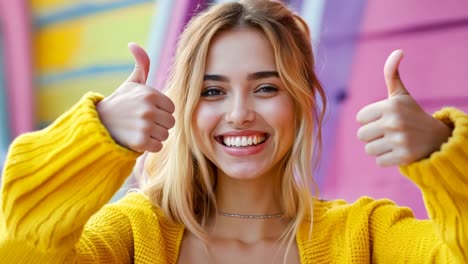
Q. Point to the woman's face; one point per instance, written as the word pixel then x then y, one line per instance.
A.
pixel 244 120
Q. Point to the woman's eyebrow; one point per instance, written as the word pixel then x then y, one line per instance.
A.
pixel 262 75
pixel 215 77
pixel 251 76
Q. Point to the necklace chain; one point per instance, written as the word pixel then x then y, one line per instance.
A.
pixel 266 216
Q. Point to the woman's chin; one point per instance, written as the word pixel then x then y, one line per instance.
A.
pixel 244 174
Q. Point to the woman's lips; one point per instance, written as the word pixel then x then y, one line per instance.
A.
pixel 240 146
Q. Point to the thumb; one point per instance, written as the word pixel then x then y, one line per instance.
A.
pixel 392 76
pixel 142 63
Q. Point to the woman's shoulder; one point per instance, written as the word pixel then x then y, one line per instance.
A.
pixel 336 218
pixel 363 206
pixel 136 204
pixel 133 207
pixel 137 213
pixel 138 208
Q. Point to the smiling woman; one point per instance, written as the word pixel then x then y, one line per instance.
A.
pixel 248 101
pixel 240 121
pixel 247 124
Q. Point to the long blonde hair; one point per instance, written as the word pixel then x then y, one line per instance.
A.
pixel 179 179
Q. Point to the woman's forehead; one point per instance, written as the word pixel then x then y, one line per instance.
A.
pixel 244 49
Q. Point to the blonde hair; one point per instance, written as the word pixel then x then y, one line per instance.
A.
pixel 180 180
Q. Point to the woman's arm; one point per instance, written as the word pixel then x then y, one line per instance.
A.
pixel 433 154
pixel 397 237
pixel 55 179
pixel 443 180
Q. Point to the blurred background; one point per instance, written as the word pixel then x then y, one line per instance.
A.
pixel 54 51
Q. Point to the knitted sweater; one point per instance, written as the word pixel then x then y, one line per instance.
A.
pixel 57 181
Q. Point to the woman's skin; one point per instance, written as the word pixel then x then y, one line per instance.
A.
pixel 243 95
pixel 137 116
pixel 396 130
pixel 236 98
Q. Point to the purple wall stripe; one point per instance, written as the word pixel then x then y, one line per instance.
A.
pixel 16 28
pixel 334 67
pixel 181 13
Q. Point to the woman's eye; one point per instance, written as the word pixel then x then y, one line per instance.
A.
pixel 212 92
pixel 266 89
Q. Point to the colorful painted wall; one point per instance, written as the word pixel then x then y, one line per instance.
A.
pixel 82 46
pixel 53 51
pixel 434 37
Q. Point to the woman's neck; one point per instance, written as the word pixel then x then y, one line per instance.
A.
pixel 258 196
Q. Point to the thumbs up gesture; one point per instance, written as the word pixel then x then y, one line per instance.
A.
pixel 137 116
pixel 397 131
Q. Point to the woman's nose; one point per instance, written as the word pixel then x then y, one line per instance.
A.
pixel 240 112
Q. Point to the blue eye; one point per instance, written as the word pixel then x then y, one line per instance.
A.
pixel 266 89
pixel 210 92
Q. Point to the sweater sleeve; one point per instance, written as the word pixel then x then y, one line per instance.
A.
pixel 443 181
pixel 54 180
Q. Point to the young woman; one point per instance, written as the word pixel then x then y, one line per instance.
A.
pixel 232 183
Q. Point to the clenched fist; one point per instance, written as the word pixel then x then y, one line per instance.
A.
pixel 397 130
pixel 137 116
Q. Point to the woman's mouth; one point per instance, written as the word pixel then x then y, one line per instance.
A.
pixel 242 141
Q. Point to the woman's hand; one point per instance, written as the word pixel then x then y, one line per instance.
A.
pixel 397 130
pixel 137 116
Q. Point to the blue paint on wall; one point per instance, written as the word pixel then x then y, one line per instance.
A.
pixel 48 79
pixel 84 9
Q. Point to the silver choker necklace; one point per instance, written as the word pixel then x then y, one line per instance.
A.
pixel 266 216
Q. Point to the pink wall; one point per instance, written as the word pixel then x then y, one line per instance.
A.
pixel 15 23
pixel 434 37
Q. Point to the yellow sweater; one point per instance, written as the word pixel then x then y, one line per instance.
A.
pixel 57 181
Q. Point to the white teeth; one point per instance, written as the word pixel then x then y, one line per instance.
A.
pixel 238 142
pixel 243 141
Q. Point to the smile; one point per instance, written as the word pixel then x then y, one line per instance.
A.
pixel 242 141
